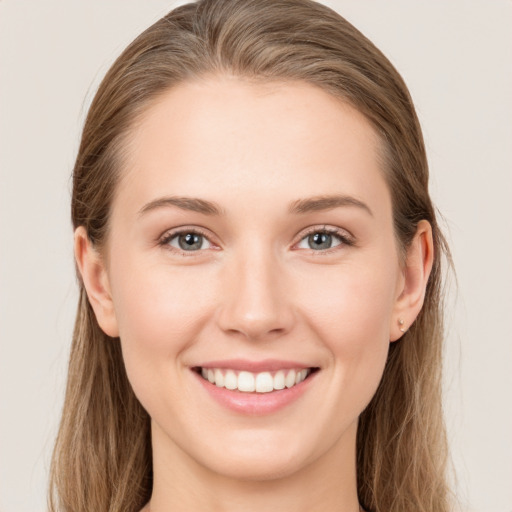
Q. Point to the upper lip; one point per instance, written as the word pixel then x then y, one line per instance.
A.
pixel 268 365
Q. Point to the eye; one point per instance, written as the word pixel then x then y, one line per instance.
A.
pixel 186 240
pixel 323 239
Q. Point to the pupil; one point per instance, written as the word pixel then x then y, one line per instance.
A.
pixel 321 240
pixel 190 240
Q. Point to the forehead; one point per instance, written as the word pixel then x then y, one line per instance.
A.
pixel 224 136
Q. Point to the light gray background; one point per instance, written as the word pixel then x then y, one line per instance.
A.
pixel 456 57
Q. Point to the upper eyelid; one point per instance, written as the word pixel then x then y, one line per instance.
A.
pixel 171 233
pixel 327 228
pixel 346 238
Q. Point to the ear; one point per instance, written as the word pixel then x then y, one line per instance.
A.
pixel 413 281
pixel 95 278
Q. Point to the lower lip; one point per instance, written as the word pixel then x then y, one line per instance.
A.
pixel 255 403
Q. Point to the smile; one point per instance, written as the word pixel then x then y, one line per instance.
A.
pixel 255 388
pixel 249 382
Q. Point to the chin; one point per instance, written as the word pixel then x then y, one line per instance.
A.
pixel 257 468
pixel 259 457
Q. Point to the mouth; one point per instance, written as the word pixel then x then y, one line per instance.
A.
pixel 243 381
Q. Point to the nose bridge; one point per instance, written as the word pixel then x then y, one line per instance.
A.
pixel 255 300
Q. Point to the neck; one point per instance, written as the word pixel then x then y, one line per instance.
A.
pixel 327 484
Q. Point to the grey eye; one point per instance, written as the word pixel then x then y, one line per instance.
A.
pixel 189 241
pixel 320 240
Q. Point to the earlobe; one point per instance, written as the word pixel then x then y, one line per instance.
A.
pixel 94 276
pixel 416 272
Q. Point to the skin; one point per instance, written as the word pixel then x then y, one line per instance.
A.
pixel 256 289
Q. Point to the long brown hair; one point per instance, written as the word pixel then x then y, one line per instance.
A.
pixel 102 458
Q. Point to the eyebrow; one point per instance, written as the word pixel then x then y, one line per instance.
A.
pixel 300 206
pixel 185 203
pixel 326 202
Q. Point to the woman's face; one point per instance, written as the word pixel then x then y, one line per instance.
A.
pixel 251 239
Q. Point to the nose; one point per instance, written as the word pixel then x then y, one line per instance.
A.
pixel 256 301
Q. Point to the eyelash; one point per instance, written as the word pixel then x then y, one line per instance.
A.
pixel 167 237
pixel 343 237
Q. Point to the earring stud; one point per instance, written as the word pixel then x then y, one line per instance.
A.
pixel 401 324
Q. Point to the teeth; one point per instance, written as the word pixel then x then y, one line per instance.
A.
pixel 289 380
pixel 230 380
pixel 279 380
pixel 264 383
pixel 248 382
pixel 300 376
pixel 219 378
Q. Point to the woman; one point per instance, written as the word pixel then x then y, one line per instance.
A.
pixel 260 319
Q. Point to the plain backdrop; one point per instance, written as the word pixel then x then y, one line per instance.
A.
pixel 456 57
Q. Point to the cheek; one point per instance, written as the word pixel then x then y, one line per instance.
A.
pixel 160 313
pixel 354 305
pixel 155 303
pixel 352 317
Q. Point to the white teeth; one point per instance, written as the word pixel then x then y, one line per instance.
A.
pixel 301 376
pixel 289 381
pixel 219 378
pixel 248 382
pixel 264 383
pixel 279 380
pixel 230 380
